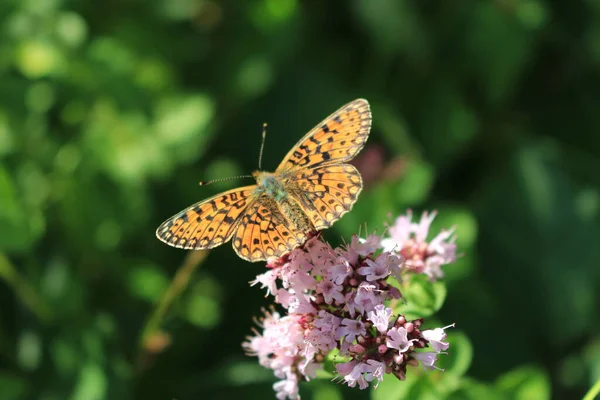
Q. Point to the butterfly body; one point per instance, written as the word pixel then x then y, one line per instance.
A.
pixel 269 184
pixel 311 189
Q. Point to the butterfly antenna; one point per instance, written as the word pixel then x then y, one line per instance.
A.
pixel 204 183
pixel 262 145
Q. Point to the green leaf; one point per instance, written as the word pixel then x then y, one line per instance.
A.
pixel 326 391
pixel 392 25
pixel 201 306
pixel 29 350
pixel 65 356
pixel 593 392
pixel 392 388
pixel 539 234
pixel 525 383
pixel 244 372
pixel 422 297
pixel 415 185
pixel 455 120
pixel 464 222
pixel 92 383
pixel 202 311
pixel 268 14
pixel 395 131
pixel 39 58
pixel 460 354
pixel 7 139
pixel 13 387
pixel 471 389
pixel 490 29
pixel 419 384
pixel 14 232
pixel 181 118
pixel 147 282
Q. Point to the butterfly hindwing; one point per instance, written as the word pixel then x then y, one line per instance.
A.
pixel 264 232
pixel 209 223
pixel 338 138
pixel 328 192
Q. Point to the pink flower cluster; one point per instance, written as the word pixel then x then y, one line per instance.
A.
pixel 336 301
pixel 409 239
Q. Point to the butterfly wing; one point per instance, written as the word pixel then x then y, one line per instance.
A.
pixel 264 232
pixel 209 223
pixel 314 172
pixel 336 139
pixel 326 193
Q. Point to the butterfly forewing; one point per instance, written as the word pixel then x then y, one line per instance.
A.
pixel 336 139
pixel 328 192
pixel 208 223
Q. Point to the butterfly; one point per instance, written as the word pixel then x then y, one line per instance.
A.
pixel 311 189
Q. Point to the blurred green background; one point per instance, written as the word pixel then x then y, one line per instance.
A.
pixel 111 112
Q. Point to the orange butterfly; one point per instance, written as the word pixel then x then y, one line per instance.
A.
pixel 311 189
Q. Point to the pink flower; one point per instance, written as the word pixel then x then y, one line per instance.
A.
pixel 444 250
pixel 309 369
pixel 300 304
pixel 340 271
pixel 393 263
pixel 330 294
pixel 374 370
pixel 421 229
pixel 399 233
pixel 287 388
pixel 410 241
pixel 435 337
pixel 346 367
pixel 443 244
pixel 277 346
pixel 356 375
pixel 321 340
pixel 280 348
pixel 350 328
pixel 320 252
pixel 377 269
pixel 344 347
pixel 398 339
pixel 364 247
pixel 427 360
pixel 296 275
pixel 284 297
pixel 365 300
pixel 327 322
pixel 330 291
pixel 380 317
pixel 267 280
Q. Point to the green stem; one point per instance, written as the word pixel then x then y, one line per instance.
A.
pixel 177 286
pixel 24 291
pixel 593 391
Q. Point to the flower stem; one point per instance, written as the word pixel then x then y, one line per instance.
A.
pixel 177 286
pixel 24 291
pixel 593 392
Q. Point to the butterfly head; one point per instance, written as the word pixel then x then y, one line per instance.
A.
pixel 270 184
